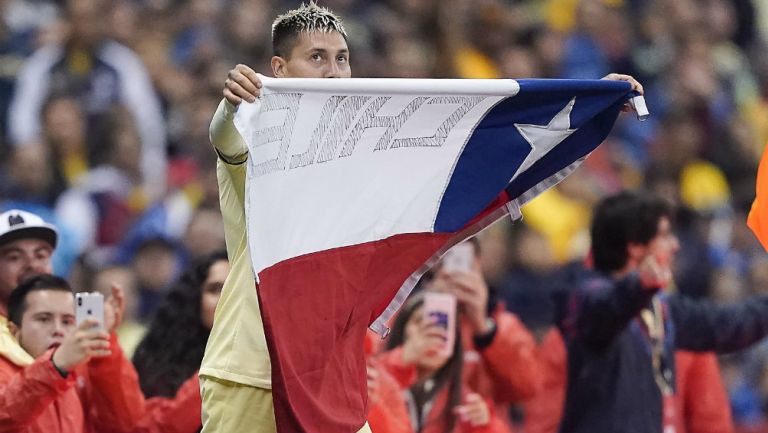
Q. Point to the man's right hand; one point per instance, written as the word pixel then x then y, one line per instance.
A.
pixel 241 84
pixel 86 342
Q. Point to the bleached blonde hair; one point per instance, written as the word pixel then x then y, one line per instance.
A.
pixel 309 18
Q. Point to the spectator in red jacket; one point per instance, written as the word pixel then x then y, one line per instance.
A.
pixel 507 370
pixel 169 356
pixel 500 362
pixel 79 382
pixel 439 401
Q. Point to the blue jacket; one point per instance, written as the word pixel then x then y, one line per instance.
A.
pixel 611 381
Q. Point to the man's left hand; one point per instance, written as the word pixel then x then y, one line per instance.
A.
pixel 636 86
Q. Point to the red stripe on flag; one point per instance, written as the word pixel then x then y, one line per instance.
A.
pixel 316 309
pixel 758 215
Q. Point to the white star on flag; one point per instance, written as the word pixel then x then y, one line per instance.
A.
pixel 544 138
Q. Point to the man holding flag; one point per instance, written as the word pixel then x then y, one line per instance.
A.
pixel 235 376
pixel 354 188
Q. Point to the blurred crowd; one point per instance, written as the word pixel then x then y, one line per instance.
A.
pixel 105 107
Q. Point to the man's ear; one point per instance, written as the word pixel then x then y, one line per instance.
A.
pixel 278 66
pixel 15 331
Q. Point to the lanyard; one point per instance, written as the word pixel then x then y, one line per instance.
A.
pixel 653 319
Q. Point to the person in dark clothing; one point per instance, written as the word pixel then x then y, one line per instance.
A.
pixel 621 330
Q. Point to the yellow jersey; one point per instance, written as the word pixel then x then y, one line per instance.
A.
pixel 236 349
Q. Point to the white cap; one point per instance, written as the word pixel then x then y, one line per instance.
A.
pixel 17 224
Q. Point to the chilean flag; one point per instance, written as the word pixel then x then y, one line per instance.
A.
pixel 355 187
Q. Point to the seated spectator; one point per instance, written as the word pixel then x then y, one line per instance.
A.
pixel 80 380
pixel 169 356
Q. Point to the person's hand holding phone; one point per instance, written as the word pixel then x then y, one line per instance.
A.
pixel 460 275
pixel 86 342
pixel 90 305
pixel 426 338
pixel 471 292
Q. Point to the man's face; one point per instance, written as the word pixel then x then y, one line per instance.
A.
pixel 665 244
pixel 316 55
pixel 48 318
pixel 21 259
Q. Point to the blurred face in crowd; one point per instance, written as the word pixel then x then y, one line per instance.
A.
pixel 64 125
pixel 47 319
pixel 464 257
pixel 212 290
pixel 205 233
pixel 249 18
pixel 409 56
pixel 126 153
pixel 315 55
pixel 118 276
pixel 155 266
pixel 25 169
pixel 663 246
pixel 19 260
pixel 519 62
pixel 88 20
pixel 432 360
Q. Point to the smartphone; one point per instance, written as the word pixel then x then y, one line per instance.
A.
pixel 459 258
pixel 440 307
pixel 89 305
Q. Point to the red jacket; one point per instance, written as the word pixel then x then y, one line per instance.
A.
pixel 700 399
pixel 503 372
pixel 507 370
pixel 103 396
pixel 387 412
pixel 435 423
pixel 392 362
pixel 701 396
pixel 543 411
pixel 179 414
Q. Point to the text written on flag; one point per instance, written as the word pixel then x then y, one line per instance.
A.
pixel 350 117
